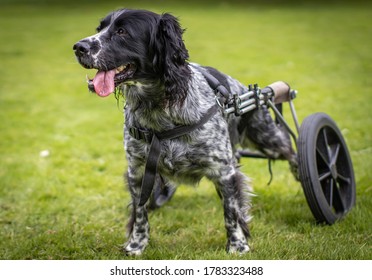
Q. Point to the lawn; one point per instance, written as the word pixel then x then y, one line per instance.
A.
pixel 72 203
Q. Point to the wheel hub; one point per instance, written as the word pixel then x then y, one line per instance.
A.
pixel 334 172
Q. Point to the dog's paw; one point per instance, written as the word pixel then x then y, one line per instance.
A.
pixel 238 248
pixel 134 249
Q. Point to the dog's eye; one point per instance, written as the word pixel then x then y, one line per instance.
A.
pixel 121 32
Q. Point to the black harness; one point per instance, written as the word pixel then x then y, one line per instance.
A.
pixel 219 85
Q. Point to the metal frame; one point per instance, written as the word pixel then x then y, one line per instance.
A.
pixel 255 98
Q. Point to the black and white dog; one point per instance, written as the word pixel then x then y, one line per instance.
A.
pixel 142 54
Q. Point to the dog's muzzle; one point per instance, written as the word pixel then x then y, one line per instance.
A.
pixel 106 80
pixel 81 48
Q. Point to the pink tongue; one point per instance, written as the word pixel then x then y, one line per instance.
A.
pixel 104 82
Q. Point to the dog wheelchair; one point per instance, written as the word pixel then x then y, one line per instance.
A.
pixel 324 164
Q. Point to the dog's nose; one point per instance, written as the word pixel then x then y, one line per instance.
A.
pixel 81 48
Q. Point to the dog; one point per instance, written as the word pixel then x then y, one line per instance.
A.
pixel 142 54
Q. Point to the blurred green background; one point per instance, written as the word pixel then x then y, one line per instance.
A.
pixel 71 203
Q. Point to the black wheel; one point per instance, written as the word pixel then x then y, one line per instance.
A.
pixel 325 169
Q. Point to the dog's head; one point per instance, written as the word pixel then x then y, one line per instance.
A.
pixel 136 46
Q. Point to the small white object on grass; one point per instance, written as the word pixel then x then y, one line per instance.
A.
pixel 44 153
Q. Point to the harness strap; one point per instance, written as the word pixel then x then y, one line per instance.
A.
pixel 141 134
pixel 155 149
pixel 218 88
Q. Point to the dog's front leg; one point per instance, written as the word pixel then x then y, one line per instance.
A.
pixel 139 237
pixel 234 190
pixel 138 226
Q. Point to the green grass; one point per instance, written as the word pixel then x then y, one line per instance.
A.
pixel 73 204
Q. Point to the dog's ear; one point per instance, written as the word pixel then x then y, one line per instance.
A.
pixel 170 59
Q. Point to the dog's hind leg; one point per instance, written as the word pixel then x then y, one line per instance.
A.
pixel 138 226
pixel 232 186
pixel 268 137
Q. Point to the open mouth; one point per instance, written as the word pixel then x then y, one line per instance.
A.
pixel 105 82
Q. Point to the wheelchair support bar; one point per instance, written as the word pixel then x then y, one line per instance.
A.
pixel 275 93
pixel 282 121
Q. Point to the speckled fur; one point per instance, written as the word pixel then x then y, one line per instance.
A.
pixel 171 93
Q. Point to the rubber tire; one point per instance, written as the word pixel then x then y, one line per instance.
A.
pixel 325 169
